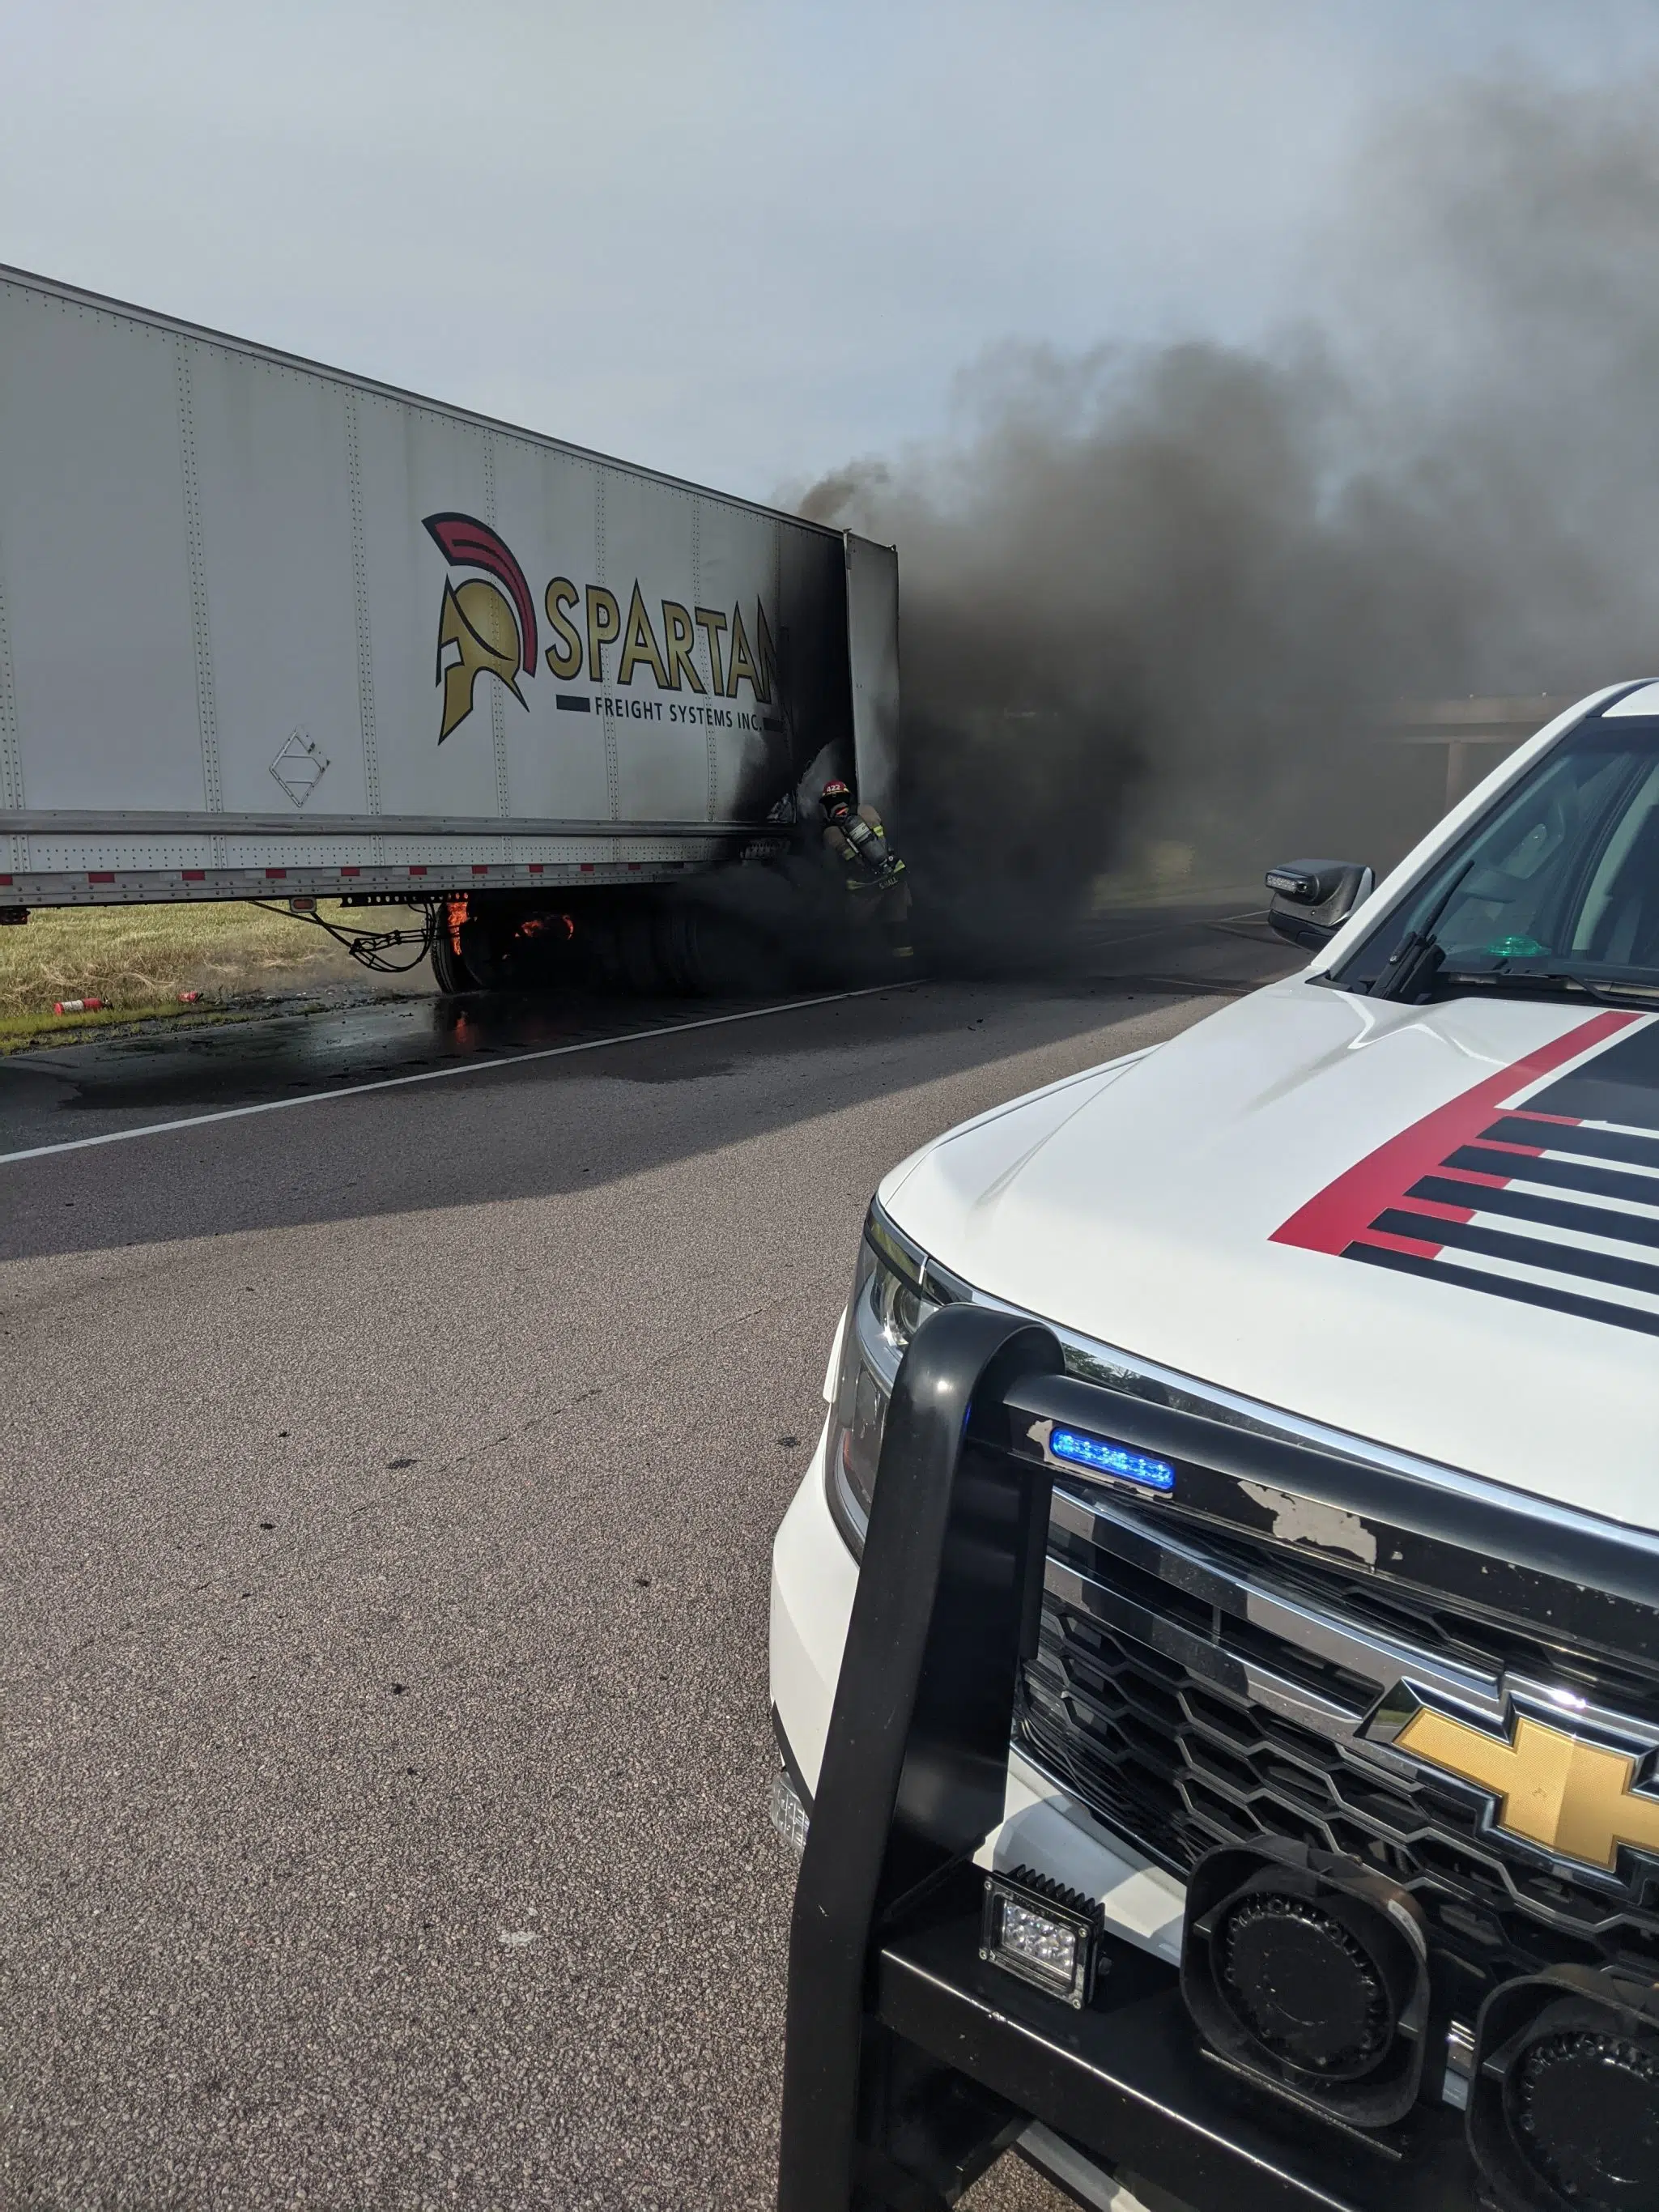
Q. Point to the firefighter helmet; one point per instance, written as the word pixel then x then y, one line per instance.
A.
pixel 835 796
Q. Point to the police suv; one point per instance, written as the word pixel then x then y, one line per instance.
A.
pixel 1215 1646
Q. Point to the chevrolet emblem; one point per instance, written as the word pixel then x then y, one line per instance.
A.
pixel 1575 1798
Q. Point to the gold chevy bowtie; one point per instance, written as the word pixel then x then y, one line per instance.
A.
pixel 1573 1797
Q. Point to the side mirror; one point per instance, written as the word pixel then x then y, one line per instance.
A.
pixel 1312 899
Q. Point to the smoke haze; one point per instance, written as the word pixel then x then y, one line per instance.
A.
pixel 1175 594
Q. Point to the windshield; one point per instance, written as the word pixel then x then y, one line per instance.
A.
pixel 1556 888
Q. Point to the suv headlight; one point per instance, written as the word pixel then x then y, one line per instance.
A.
pixel 895 1288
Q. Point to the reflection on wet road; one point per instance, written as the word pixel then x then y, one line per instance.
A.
pixel 90 1090
pixel 70 1092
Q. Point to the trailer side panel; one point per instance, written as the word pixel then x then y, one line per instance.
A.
pixel 260 621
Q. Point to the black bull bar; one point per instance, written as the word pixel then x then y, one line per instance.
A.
pixel 911 2064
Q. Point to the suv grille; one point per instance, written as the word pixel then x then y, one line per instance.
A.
pixel 1194 1689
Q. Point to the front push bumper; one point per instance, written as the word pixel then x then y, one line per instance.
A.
pixel 1124 2080
pixel 911 2062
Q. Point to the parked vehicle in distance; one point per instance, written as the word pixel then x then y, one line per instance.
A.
pixel 271 630
pixel 1235 1536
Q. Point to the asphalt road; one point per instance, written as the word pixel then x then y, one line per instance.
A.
pixel 387 1486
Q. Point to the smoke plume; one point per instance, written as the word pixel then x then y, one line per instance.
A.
pixel 1173 596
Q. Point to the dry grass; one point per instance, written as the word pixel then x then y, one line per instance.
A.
pixel 19 1030
pixel 138 958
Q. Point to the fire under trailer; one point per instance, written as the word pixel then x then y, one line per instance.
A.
pixel 270 631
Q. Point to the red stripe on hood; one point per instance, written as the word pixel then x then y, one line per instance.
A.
pixel 1337 1214
pixel 1417 1247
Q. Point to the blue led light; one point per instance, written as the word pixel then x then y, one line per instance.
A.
pixel 1112 1459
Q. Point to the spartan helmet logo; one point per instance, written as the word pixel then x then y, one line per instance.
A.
pixel 478 620
pixel 493 633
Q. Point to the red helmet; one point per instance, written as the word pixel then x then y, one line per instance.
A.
pixel 835 796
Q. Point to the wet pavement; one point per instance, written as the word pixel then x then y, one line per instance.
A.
pixel 65 1093
pixel 79 1090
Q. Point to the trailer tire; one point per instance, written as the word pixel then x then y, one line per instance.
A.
pixel 729 956
pixel 484 939
pixel 449 970
pixel 639 951
pixel 676 954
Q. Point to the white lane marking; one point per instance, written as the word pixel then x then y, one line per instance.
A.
pixel 457 1067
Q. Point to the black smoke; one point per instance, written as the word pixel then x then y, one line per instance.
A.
pixel 1177 596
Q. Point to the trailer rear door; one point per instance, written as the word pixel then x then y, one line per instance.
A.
pixel 873 653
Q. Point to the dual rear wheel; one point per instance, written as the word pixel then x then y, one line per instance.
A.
pixel 666 946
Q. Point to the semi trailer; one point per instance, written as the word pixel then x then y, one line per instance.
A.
pixel 270 630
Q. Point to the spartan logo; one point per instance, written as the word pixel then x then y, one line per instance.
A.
pixel 494 634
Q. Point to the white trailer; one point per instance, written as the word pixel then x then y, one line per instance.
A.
pixel 270 630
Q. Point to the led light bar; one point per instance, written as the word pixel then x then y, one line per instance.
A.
pixel 1046 1934
pixel 1103 1457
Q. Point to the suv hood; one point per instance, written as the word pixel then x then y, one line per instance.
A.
pixel 1434 1227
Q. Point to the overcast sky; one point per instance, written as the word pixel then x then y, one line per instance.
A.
pixel 744 243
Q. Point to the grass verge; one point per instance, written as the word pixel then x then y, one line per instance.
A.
pixel 137 959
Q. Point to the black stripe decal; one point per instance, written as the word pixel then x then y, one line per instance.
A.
pixel 1621 1083
pixel 1524 1251
pixel 1559 1175
pixel 1506 1286
pixel 1558 1137
pixel 1527 1205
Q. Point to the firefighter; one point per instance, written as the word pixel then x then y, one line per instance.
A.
pixel 871 873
